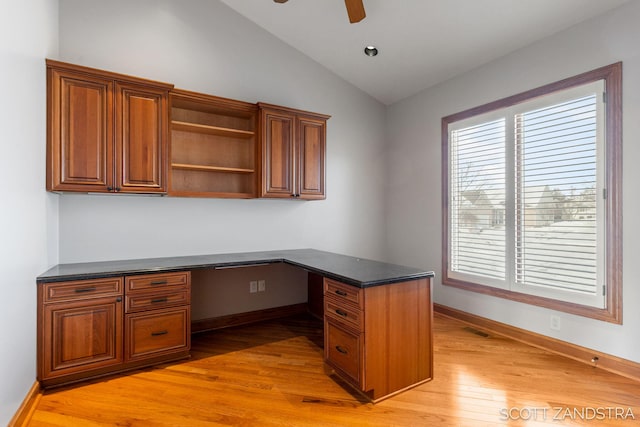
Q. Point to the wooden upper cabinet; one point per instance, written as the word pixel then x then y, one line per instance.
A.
pixel 141 138
pixel 112 133
pixel 293 153
pixel 106 132
pixel 80 135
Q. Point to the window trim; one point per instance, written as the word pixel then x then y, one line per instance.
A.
pixel 612 75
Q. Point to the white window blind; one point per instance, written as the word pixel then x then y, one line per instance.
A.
pixel 525 195
pixel 478 200
pixel 556 211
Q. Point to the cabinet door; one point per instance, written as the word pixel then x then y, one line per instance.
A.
pixel 141 139
pixel 311 158
pixel 278 154
pixel 80 336
pixel 79 156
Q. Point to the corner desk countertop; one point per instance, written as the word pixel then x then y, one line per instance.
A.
pixel 353 271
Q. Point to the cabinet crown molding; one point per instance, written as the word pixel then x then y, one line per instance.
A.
pixel 51 63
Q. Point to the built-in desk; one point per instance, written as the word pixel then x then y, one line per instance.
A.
pixel 97 318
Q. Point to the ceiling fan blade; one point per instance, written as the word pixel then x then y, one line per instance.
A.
pixel 355 9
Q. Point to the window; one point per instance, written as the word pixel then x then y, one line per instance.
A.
pixel 532 196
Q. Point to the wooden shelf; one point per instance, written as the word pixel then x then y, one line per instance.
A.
pixel 213 146
pixel 210 168
pixel 212 130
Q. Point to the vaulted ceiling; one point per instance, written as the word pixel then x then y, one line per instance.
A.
pixel 421 42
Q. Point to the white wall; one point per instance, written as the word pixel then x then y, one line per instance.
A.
pixel 216 293
pixel 202 45
pixel 414 203
pixel 28 215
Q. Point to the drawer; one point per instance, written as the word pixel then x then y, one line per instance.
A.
pixel 343 351
pixel 148 282
pixel 82 289
pixel 344 292
pixel 147 301
pixel 346 313
pixel 157 332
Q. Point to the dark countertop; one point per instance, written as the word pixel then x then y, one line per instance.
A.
pixel 358 272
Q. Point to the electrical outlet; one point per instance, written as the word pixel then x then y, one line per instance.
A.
pixel 554 323
pixel 253 286
pixel 262 285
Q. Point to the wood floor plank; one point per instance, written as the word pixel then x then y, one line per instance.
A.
pixel 272 374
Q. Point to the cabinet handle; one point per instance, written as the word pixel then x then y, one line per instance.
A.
pixel 342 350
pixel 159 282
pixel 83 290
pixel 341 313
pixel 117 189
pixel 227 267
pixel 341 293
pixel 156 334
pixel 159 300
pixel 109 188
pixel 119 299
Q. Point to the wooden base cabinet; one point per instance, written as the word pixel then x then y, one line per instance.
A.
pixel 90 328
pixel 158 320
pixel 379 339
pixel 80 327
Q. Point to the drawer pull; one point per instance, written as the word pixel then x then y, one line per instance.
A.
pixel 341 313
pixel 342 350
pixel 159 282
pixel 341 293
pixel 84 290
pixel 157 334
pixel 159 300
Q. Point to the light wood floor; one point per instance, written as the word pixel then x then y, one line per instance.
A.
pixel 271 374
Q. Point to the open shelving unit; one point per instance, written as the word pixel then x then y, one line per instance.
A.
pixel 214 152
